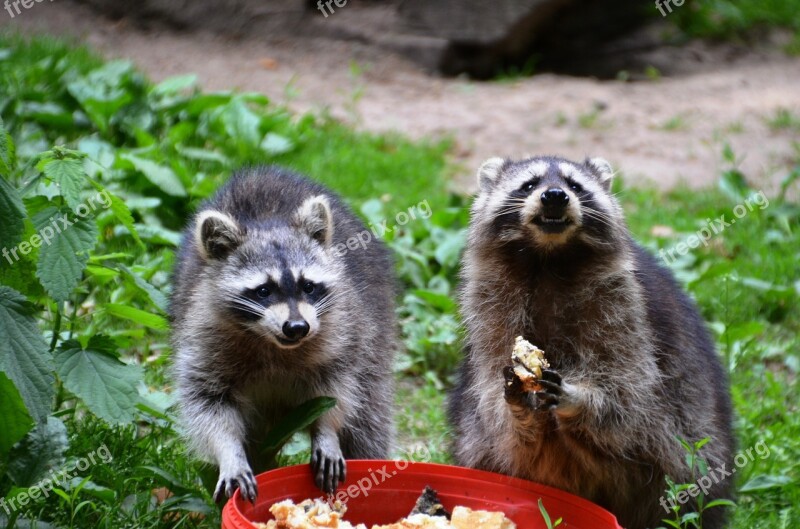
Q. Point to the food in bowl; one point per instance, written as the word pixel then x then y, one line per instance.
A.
pixel 428 513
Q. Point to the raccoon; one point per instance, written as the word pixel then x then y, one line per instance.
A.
pixel 269 311
pixel 632 365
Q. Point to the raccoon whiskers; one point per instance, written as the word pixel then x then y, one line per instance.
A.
pixel 600 217
pixel 248 305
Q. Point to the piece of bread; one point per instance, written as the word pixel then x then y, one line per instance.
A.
pixel 308 514
pixel 465 518
pixel 528 361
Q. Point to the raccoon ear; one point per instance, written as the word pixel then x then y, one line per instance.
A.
pixel 315 217
pixel 489 172
pixel 217 234
pixel 602 170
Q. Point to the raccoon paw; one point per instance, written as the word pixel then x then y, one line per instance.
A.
pixel 514 392
pixel 242 479
pixel 551 390
pixel 329 467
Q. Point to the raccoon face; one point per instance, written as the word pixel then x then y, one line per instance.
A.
pixel 547 202
pixel 277 279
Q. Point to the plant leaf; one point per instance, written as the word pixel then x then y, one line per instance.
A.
pixel 12 214
pixel 7 152
pixel 15 421
pixel 69 174
pixel 160 175
pixel 61 262
pixel 24 356
pixel 155 295
pixel 296 420
pixel 105 384
pixel 154 321
pixel 41 451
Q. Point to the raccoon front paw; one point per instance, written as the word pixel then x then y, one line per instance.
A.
pixel 329 468
pixel 515 394
pixel 242 479
pixel 551 392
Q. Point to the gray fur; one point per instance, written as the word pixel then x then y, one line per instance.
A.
pixel 638 365
pixel 234 375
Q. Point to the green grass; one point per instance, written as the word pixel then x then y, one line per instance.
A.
pixel 746 281
pixel 738 19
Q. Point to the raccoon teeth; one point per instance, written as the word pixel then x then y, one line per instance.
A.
pixel 548 220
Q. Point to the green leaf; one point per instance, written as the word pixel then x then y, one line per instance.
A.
pixel 733 184
pixel 154 321
pixel 105 384
pixel 7 152
pixel 12 214
pixel 173 85
pixel 120 210
pixel 764 482
pixel 61 262
pixel 41 451
pixel 241 123
pixel 155 295
pixel 101 93
pixel 160 175
pixel 69 174
pixel 15 420
pixel 298 419
pixel 24 355
pixel 276 144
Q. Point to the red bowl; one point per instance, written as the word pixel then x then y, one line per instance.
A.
pixel 382 492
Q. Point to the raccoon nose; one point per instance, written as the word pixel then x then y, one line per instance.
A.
pixel 556 197
pixel 295 329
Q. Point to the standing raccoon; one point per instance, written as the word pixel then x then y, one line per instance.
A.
pixel 268 313
pixel 549 257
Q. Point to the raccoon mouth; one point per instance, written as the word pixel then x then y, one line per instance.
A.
pixel 287 342
pixel 552 224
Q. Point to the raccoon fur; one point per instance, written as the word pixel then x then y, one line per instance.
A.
pixel 633 367
pixel 269 312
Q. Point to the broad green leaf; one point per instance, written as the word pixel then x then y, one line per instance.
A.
pixel 296 420
pixel 155 295
pixel 24 355
pixel 7 152
pixel 174 85
pixel 105 384
pixel 48 114
pixel 764 482
pixel 41 451
pixel 154 321
pixel 12 215
pixel 102 92
pixel 63 258
pixel 68 173
pixel 15 420
pixel 119 209
pixel 276 144
pixel 241 123
pixel 160 175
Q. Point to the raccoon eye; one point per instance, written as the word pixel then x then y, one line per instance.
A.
pixel 575 186
pixel 262 292
pixel 529 185
pixel 309 287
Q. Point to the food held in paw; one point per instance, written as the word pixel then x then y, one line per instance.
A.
pixel 528 361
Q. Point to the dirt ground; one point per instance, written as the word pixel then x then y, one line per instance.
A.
pixel 664 130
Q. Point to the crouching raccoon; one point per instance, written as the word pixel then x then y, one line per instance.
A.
pixel 266 314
